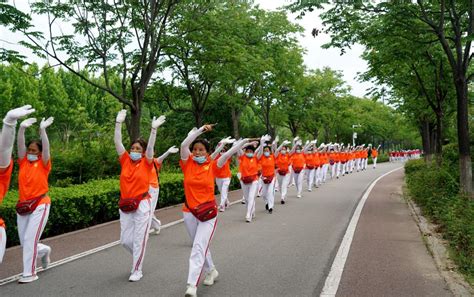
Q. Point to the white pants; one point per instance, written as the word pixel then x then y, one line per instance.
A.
pixel 268 193
pixel 250 190
pixel 299 182
pixel 358 164
pixel 134 228
pixel 374 160
pixel 366 162
pixel 201 235
pixel 325 172
pixel 3 243
pixel 333 170
pixel 30 228
pixel 338 168
pixel 260 186
pixel 223 186
pixel 283 181
pixel 154 193
pixel 310 177
pixel 318 176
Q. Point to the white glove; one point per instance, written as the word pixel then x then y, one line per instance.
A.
pixel 121 115
pixel 286 142
pixel 295 139
pixel 156 122
pixel 276 139
pixel 299 142
pixel 46 123
pixel 192 131
pixel 307 141
pixel 265 138
pixel 227 140
pixel 173 150
pixel 14 114
pixel 28 123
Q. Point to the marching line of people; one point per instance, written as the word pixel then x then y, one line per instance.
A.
pixel 264 168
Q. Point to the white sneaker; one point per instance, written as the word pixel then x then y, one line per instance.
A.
pixel 211 277
pixel 248 219
pixel 298 196
pixel 45 260
pixel 310 190
pixel 243 201
pixel 135 276
pixel 221 208
pixel 27 279
pixel 191 291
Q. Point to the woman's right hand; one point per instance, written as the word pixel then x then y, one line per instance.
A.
pixel 28 123
pixel 121 115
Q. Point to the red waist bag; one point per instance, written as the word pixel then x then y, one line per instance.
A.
pixel 28 206
pixel 282 172
pixel 248 179
pixel 132 204
pixel 267 179
pixel 298 169
pixel 205 211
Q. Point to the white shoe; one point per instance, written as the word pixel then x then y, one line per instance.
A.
pixel 248 219
pixel 221 208
pixel 45 260
pixel 135 276
pixel 310 190
pixel 211 277
pixel 243 201
pixel 298 196
pixel 191 291
pixel 27 279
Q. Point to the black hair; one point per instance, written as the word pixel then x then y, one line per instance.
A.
pixel 142 142
pixel 269 147
pixel 38 143
pixel 250 147
pixel 203 142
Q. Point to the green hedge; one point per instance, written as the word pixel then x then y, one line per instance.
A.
pixel 435 189
pixel 80 206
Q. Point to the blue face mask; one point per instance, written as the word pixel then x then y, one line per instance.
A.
pixel 135 156
pixel 200 159
pixel 32 157
pixel 250 155
pixel 283 152
pixel 266 154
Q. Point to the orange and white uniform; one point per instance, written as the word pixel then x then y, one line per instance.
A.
pixel 134 226
pixel 154 192
pixel 298 163
pixel 33 183
pixel 310 160
pixel 223 176
pixel 283 162
pixel 5 178
pixel 249 167
pixel 374 154
pixel 268 180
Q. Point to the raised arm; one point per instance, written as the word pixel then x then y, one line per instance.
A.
pixel 234 149
pixel 192 135
pixel 221 145
pixel 118 132
pixel 171 150
pixel 263 139
pixel 277 151
pixel 150 149
pixel 241 151
pixel 275 143
pixel 44 139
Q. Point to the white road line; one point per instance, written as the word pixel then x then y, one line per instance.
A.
pixel 86 253
pixel 334 277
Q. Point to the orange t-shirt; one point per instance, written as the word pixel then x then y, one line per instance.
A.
pixel 223 172
pixel 374 153
pixel 5 178
pixel 268 165
pixel 198 182
pixel 33 179
pixel 248 166
pixel 283 161
pixel 155 169
pixel 134 177
pixel 332 156
pixel 317 160
pixel 297 160
pixel 309 160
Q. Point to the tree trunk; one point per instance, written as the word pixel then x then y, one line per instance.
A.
pixel 439 138
pixel 465 164
pixel 426 139
pixel 235 121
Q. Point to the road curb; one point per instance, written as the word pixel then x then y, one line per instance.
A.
pixel 436 245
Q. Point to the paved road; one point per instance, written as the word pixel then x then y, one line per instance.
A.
pixel 287 253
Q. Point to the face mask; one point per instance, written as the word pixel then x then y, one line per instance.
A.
pixel 135 156
pixel 283 152
pixel 266 154
pixel 200 159
pixel 298 151
pixel 32 157
pixel 250 155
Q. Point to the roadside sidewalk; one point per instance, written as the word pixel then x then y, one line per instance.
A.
pixel 73 243
pixel 388 256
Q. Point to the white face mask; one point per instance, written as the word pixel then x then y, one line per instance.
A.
pixel 266 154
pixel 283 152
pixel 298 151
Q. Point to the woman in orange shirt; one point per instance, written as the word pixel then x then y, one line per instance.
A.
pixel 310 167
pixel 283 163
pixel 298 166
pixel 375 154
pixel 35 165
pixel 249 167
pixel 267 161
pixel 154 190
pixel 199 177
pixel 7 137
pixel 135 204
pixel 223 175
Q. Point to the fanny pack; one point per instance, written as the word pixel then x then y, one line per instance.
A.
pixel 204 211
pixel 309 167
pixel 282 172
pixel 132 204
pixel 331 162
pixel 267 179
pixel 298 169
pixel 28 206
pixel 248 179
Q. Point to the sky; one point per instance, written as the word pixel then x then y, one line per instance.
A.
pixel 315 57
